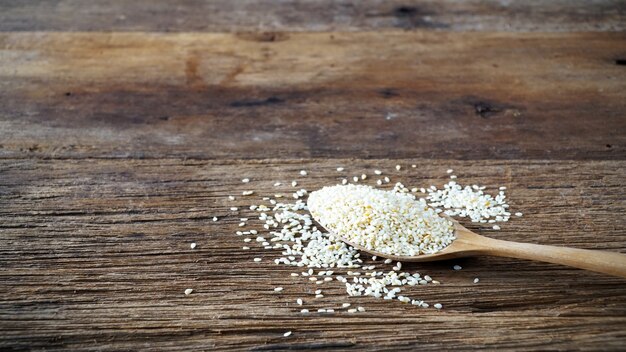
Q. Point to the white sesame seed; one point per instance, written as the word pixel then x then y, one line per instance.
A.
pixel 304 311
pixel 278 289
pixel 257 259
pixel 457 267
pixel 449 171
pixel 287 334
pixel 231 197
pixel 352 310
pixel 299 301
pixel 413 166
pixel 188 291
pixel 193 245
pixel 496 227
pixel 294 183
pixel 398 167
pixel 234 208
pixel 245 180
pixel 453 176
pixel 502 188
pixel 355 179
pixel 247 193
pixel 363 176
pixel 518 214
pixel 476 280
pixel 245 248
pixel 344 181
pixel 387 180
pixel 319 296
pixel 340 169
pixel 345 305
pixel 360 309
pixel 378 172
pixel 317 292
pixel 215 218
pixel 303 172
pixel 277 184
pixel 438 305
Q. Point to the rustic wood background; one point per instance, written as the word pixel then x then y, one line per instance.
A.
pixel 124 125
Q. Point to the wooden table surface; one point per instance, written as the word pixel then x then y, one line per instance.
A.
pixel 124 126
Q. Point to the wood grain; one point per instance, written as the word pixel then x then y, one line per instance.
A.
pixel 95 256
pixel 366 95
pixel 312 15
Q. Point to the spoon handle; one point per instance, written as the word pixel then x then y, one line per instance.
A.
pixel 611 263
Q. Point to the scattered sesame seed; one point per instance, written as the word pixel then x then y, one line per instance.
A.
pixel 277 184
pixel 398 167
pixel 363 176
pixel 245 180
pixel 231 197
pixel 453 177
pixel 438 305
pixel 496 227
pixel 345 305
pixel 215 218
pixel 379 182
pixel 502 188
pixel 457 267
pixel 387 180
pixel 234 208
pixel 247 193
pixel 355 179
pixel 518 214
pixel 193 245
pixel 449 171
pixel 352 310
pixel 303 172
pixel 319 296
pixel 287 334
pixel 360 309
pixel 378 172
pixel 340 169
pixel 344 181
pixel 245 248
pixel 299 301
pixel 257 259
pixel 188 291
pixel 294 183
pixel 476 280
pixel 304 311
pixel 413 166
pixel 278 289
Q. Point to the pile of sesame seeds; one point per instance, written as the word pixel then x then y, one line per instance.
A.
pixel 321 259
pixel 389 222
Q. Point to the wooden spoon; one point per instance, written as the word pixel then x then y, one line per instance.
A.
pixel 468 243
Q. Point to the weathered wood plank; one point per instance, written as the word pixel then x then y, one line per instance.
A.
pixel 95 256
pixel 404 94
pixel 311 15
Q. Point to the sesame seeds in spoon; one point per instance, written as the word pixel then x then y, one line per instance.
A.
pixel 398 226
